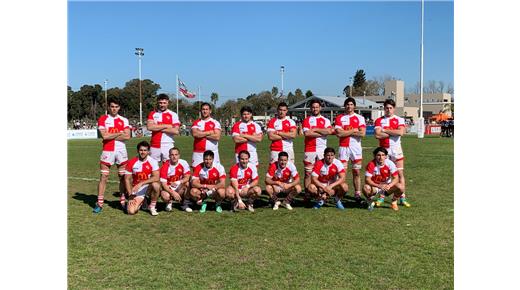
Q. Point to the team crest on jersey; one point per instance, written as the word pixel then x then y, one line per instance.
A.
pixel 146 167
pixel 214 174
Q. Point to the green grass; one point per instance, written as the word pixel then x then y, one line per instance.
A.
pixel 409 249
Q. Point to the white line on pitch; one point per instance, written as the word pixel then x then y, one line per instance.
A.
pixel 90 179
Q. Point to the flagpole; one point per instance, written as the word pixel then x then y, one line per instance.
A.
pixel 199 104
pixel 420 125
pixel 177 92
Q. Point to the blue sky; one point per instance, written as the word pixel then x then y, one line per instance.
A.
pixel 236 48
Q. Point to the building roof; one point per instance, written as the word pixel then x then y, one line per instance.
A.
pixel 332 102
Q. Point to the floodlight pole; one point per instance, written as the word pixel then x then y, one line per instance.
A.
pixel 106 99
pixel 420 125
pixel 282 70
pixel 139 53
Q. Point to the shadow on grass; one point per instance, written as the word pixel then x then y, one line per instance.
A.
pixel 91 200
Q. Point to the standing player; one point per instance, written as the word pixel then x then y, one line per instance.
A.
pixel 246 133
pixel 244 183
pixel 328 179
pixel 282 176
pixel 142 179
pixel 350 128
pixel 389 129
pixel 208 180
pixel 164 124
pixel 316 128
pixel 114 130
pixel 175 177
pixel 281 131
pixel 206 134
pixel 381 177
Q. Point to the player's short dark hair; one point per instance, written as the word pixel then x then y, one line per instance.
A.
pixel 389 102
pixel 162 97
pixel 174 148
pixel 348 100
pixel 208 153
pixel 329 149
pixel 244 152
pixel 143 144
pixel 282 154
pixel 380 149
pixel 205 104
pixel 282 104
pixel 246 109
pixel 315 101
pixel 112 100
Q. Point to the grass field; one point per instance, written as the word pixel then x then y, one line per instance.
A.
pixel 305 248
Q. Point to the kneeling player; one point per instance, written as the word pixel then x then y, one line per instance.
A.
pixel 208 180
pixel 175 176
pixel 142 179
pixel 381 177
pixel 244 183
pixel 328 179
pixel 282 176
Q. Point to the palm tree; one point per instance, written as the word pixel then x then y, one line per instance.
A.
pixel 214 99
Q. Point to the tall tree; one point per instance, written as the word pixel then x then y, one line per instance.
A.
pixel 373 88
pixel 359 85
pixel 291 99
pixel 274 92
pixel 346 91
pixel 214 99
pixel 308 93
pixel 130 97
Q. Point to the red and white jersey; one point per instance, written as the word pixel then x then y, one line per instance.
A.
pixel 328 173
pixel 159 118
pixel 113 125
pixel 349 122
pixel 392 123
pixel 249 128
pixel 315 144
pixel 141 170
pixel 203 144
pixel 381 174
pixel 244 176
pixel 286 175
pixel 171 173
pixel 209 175
pixel 281 125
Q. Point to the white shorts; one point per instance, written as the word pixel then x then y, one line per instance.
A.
pixel 395 153
pixel 352 153
pixel 175 186
pixel 197 158
pixel 141 192
pixel 119 157
pixel 310 158
pixel 161 154
pixel 274 155
pixel 253 158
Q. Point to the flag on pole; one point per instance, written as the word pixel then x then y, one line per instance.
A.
pixel 184 91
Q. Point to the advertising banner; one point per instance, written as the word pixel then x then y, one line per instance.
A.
pixel 82 134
